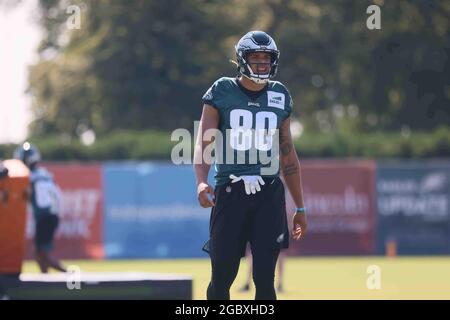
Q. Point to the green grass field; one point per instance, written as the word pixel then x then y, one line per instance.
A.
pixel 310 278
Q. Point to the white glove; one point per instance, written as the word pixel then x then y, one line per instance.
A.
pixel 252 183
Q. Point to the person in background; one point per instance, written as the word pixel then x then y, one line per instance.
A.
pixel 3 170
pixel 3 174
pixel 45 198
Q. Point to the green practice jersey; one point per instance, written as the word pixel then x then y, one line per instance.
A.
pixel 248 124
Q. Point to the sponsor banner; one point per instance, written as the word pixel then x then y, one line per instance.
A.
pixel 340 203
pixel 151 211
pixel 79 234
pixel 413 208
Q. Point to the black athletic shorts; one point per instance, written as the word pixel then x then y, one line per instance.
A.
pixel 238 218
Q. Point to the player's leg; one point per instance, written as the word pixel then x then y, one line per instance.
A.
pixel 248 280
pixel 45 237
pixel 53 262
pixel 269 236
pixel 224 271
pixel 264 264
pixel 227 241
pixel 39 242
pixel 41 261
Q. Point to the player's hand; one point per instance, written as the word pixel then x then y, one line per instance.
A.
pixel 252 183
pixel 299 226
pixel 204 190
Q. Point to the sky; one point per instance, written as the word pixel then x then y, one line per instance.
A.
pixel 19 38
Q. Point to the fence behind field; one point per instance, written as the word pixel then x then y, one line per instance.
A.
pixel 149 209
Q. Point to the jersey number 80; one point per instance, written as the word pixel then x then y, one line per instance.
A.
pixel 244 130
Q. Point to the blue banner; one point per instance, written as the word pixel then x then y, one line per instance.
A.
pixel 414 207
pixel 151 211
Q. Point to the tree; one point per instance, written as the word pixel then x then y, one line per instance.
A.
pixel 145 64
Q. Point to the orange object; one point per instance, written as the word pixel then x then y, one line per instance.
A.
pixel 391 248
pixel 13 207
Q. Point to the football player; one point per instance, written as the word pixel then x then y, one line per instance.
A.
pixel 45 201
pixel 253 113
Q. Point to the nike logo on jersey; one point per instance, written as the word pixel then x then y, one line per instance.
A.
pixel 275 99
pixel 256 104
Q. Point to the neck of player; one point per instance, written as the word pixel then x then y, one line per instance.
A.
pixel 250 85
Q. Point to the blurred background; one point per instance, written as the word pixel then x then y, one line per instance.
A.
pixel 100 88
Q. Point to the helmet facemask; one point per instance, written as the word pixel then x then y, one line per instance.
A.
pixel 244 66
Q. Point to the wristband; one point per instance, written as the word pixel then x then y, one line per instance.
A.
pixel 300 210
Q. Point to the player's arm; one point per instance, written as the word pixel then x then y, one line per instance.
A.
pixel 290 168
pixel 209 120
